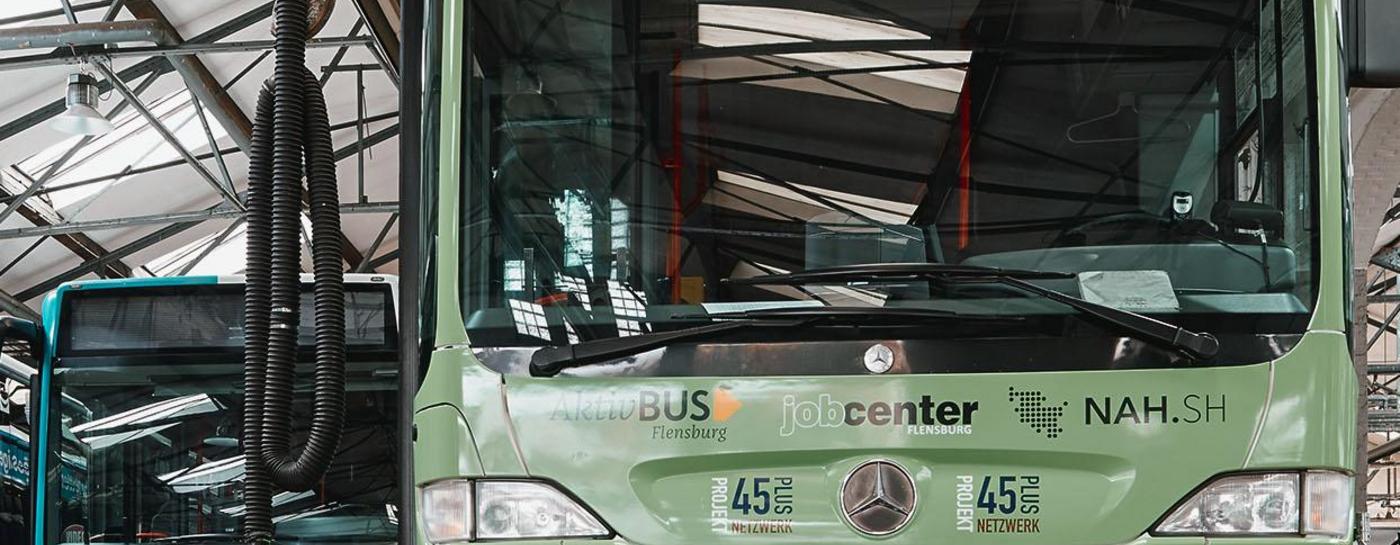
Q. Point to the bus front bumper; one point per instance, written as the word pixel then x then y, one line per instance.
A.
pixel 1142 540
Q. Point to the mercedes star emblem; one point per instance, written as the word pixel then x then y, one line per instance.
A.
pixel 878 498
pixel 879 358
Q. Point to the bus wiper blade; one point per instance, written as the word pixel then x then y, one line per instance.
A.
pixel 550 361
pixel 1197 345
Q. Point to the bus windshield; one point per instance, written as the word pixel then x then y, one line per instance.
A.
pixel 623 161
pixel 151 380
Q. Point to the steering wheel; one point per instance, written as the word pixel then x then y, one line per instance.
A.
pixel 1131 218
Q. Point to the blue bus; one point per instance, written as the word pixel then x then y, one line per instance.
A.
pixel 16 454
pixel 150 372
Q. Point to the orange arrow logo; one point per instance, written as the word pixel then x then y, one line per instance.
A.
pixel 725 405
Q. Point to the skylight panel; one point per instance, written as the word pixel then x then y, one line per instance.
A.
pixel 228 258
pixel 19 8
pixel 133 144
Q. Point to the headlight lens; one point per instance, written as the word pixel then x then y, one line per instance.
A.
pixel 502 509
pixel 1266 503
pixel 521 509
pixel 445 509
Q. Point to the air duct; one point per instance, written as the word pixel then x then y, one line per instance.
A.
pixel 86 34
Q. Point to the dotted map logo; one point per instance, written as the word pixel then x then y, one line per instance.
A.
pixel 1034 412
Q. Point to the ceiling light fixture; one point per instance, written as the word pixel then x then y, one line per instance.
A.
pixel 82 116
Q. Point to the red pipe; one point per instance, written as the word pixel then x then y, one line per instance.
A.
pixel 673 255
pixel 965 166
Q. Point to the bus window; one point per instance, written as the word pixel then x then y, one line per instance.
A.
pixel 14 448
pixel 150 439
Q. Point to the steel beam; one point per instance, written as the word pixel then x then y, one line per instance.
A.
pixel 80 244
pixel 352 68
pixel 367 120
pixel 73 56
pixel 213 144
pixel 111 260
pixel 120 223
pixel 360 138
pixel 374 139
pixel 29 191
pixel 383 260
pixel 209 249
pixel 1383 451
pixel 170 137
pixel 197 216
pixel 349 253
pixel 199 79
pixel 113 10
pixel 14 307
pixel 136 246
pixel 378 240
pixel 386 41
pixel 379 137
pixel 410 102
pixel 96 264
pixel 124 173
pixel 13 262
pixel 68 11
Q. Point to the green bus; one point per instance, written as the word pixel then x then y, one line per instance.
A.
pixel 846 271
pixel 935 271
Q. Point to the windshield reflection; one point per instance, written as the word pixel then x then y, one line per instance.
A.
pixel 627 160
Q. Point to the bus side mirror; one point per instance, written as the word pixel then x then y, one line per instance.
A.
pixel 1371 40
pixel 12 328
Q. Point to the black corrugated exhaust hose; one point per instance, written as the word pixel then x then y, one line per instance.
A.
pixel 328 400
pixel 257 305
pixel 291 137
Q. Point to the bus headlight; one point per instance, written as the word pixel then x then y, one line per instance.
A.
pixel 520 509
pixel 471 510
pixel 1311 503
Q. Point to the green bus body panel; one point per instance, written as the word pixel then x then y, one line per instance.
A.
pixel 1109 473
pixel 1311 418
pixel 1116 465
pixel 477 393
pixel 447 430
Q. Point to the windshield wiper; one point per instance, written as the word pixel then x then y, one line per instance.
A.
pixel 549 361
pixel 1193 344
